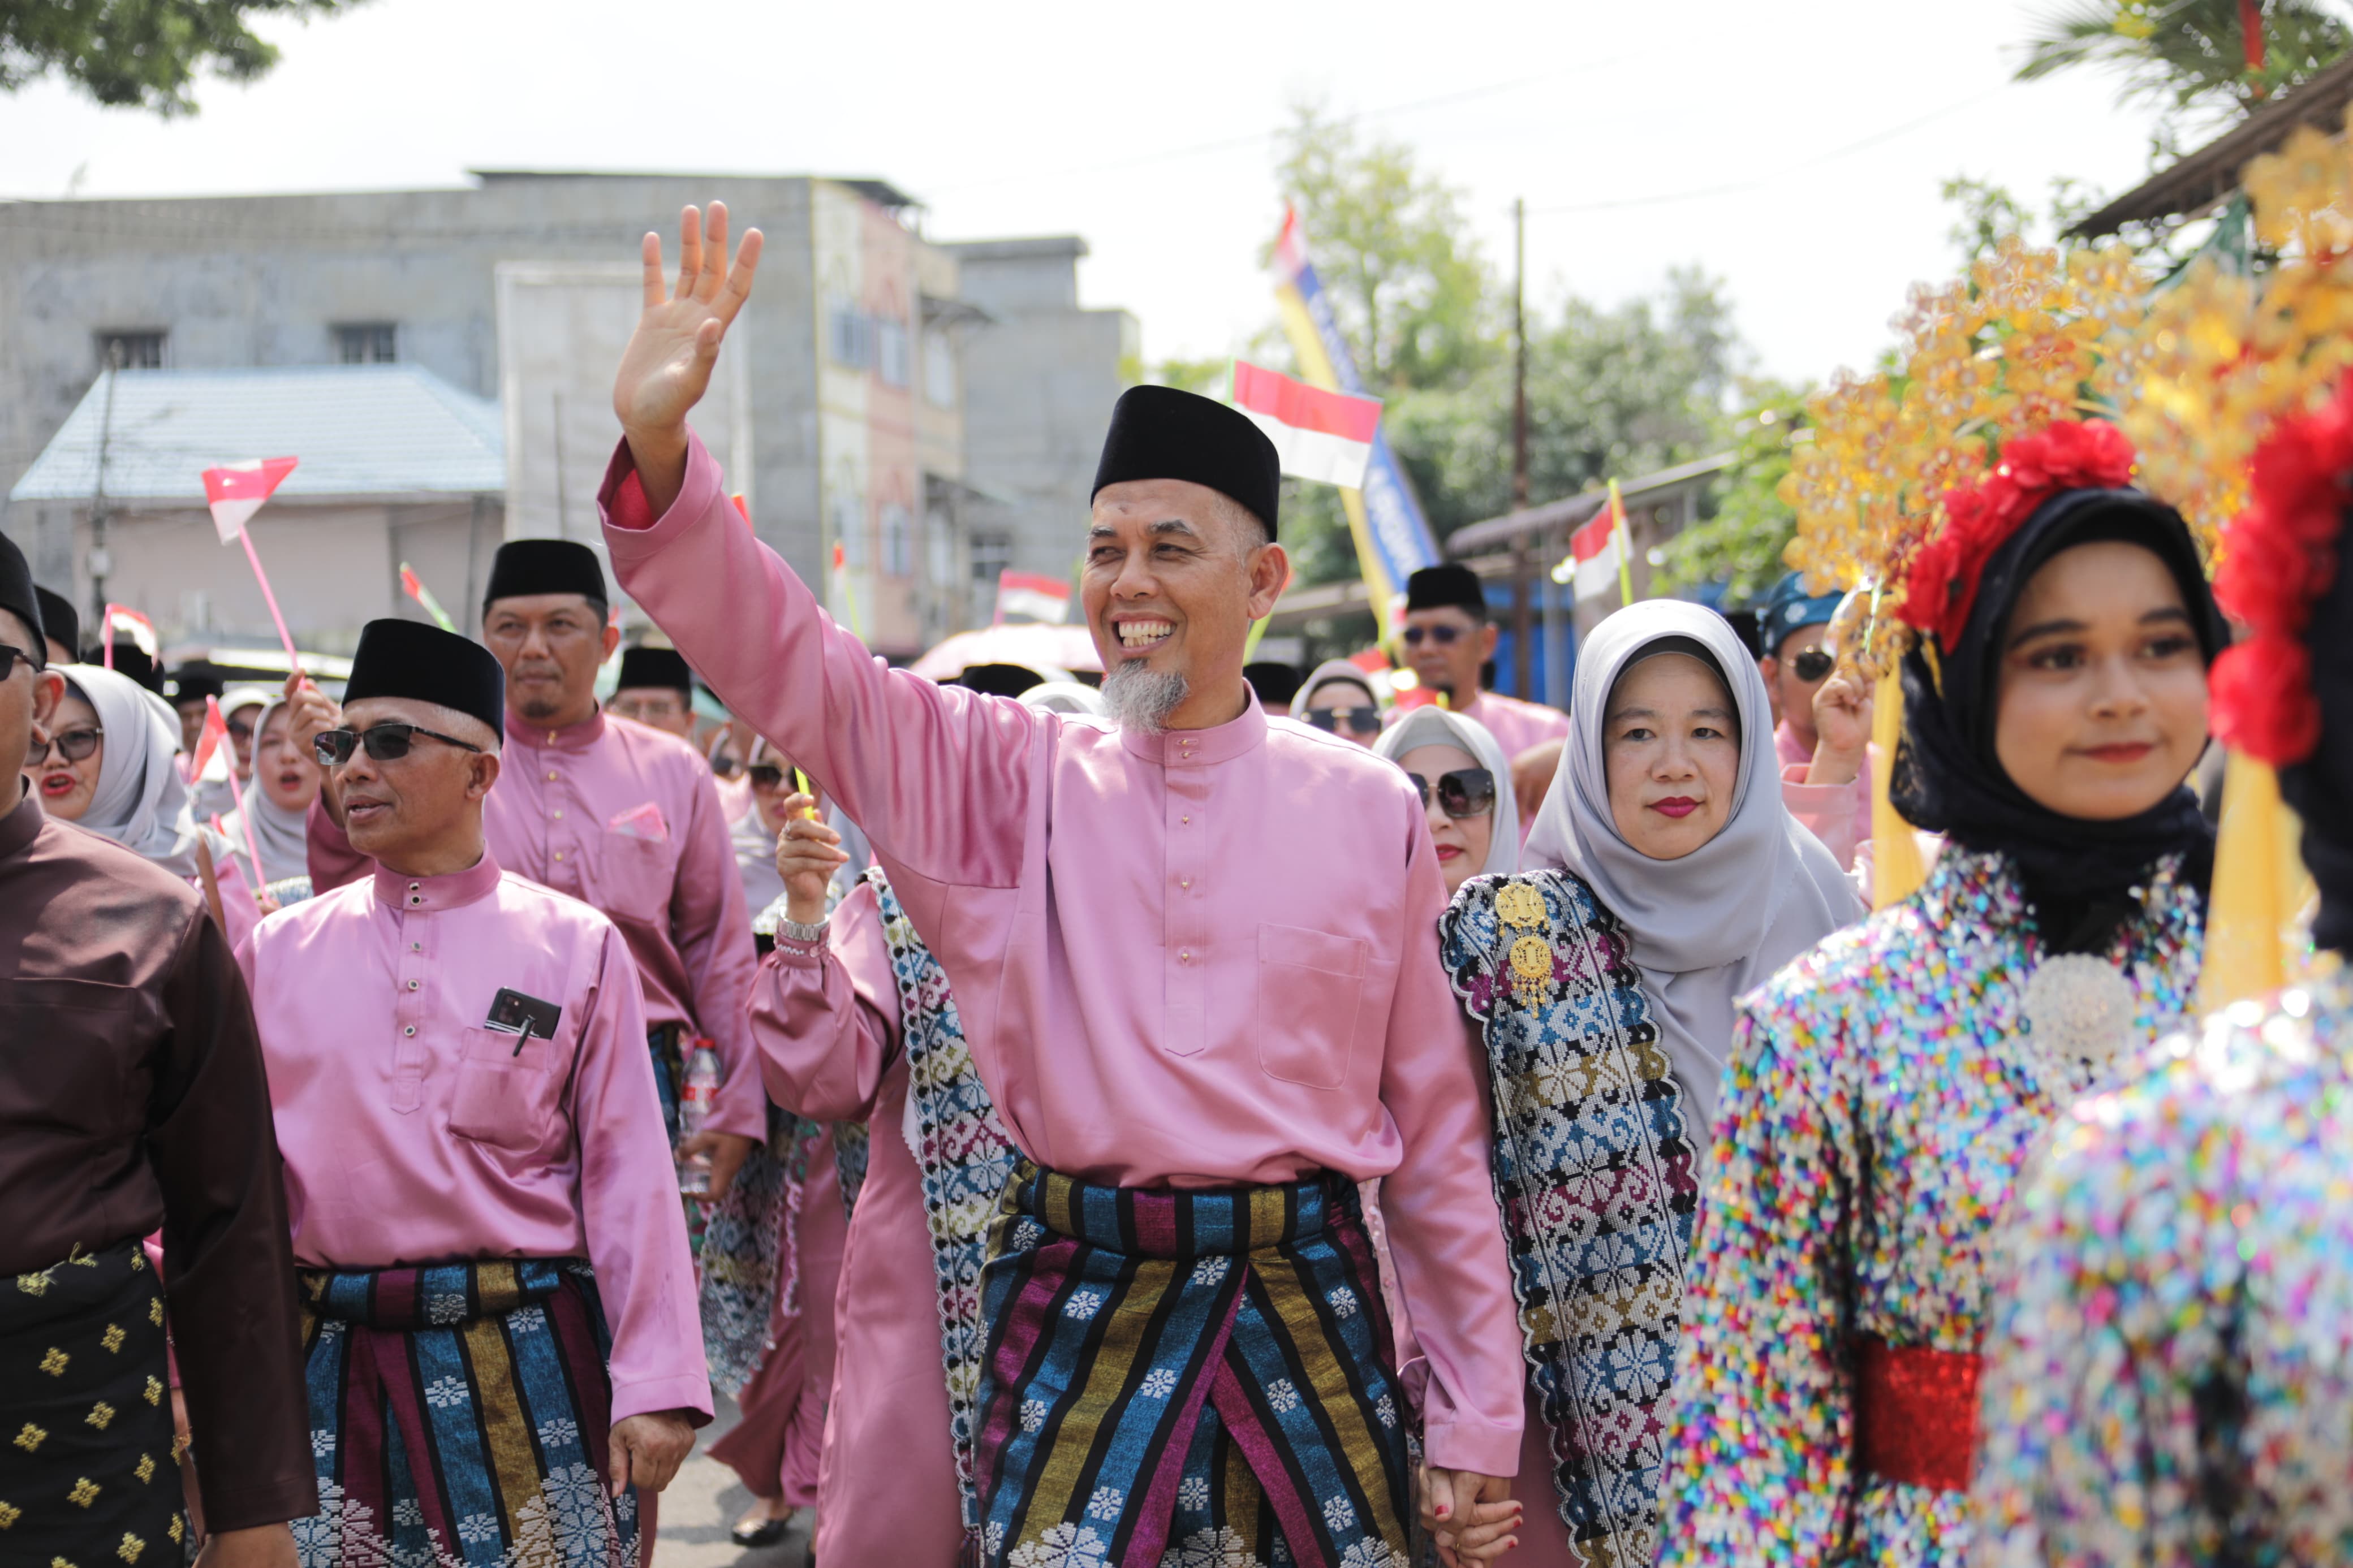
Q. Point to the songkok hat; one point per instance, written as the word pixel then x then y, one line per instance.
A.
pixel 425 664
pixel 194 682
pixel 664 668
pixel 18 595
pixel 59 621
pixel 527 566
pixel 1787 607
pixel 1450 585
pixel 1275 682
pixel 1160 433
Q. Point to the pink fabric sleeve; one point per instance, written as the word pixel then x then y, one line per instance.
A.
pixel 1445 1237
pixel 1826 811
pixel 712 931
pixel 938 777
pixel 828 1025
pixel 238 906
pixel 630 1208
pixel 333 860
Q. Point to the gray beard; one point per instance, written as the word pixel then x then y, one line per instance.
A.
pixel 1142 698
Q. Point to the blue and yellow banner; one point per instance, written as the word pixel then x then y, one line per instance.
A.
pixel 1393 538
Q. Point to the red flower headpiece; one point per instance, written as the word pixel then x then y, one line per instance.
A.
pixel 1941 587
pixel 2278 557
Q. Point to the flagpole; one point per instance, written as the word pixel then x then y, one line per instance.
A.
pixel 293 660
pixel 1625 545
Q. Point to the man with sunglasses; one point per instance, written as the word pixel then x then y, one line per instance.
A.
pixel 1449 638
pixel 457 1059
pixel 624 817
pixel 1822 744
pixel 1195 957
pixel 131 1099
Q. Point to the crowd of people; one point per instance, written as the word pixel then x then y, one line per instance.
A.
pixel 1208 1119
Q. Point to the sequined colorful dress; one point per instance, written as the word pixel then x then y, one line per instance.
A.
pixel 1883 1094
pixel 2170 1379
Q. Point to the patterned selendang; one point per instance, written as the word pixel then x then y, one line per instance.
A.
pixel 1124 1322
pixel 1595 1175
pixel 748 1255
pixel 966 1158
pixel 460 1416
pixel 90 1473
pixel 851 1143
pixel 288 891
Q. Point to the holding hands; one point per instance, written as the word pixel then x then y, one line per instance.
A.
pixel 667 367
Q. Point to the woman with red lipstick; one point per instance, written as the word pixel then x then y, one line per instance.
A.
pixel 1885 1091
pixel 1671 877
pixel 1459 769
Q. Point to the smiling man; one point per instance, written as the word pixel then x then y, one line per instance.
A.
pixel 1196 958
pixel 458 1065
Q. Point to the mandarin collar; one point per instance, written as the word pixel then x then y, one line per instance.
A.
pixel 430 894
pixel 22 825
pixel 1201 748
pixel 570 738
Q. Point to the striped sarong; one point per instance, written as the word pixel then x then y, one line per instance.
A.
pixel 89 1473
pixel 459 1414
pixel 1200 1374
pixel 1595 1174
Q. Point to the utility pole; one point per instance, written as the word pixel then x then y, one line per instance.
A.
pixel 101 560
pixel 1524 579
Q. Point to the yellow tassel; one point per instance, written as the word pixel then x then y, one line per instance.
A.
pixel 1897 870
pixel 2252 940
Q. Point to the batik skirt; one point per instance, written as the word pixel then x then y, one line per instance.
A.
pixel 459 1414
pixel 1186 1376
pixel 87 1473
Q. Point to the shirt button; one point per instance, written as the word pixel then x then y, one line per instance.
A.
pixel 416 947
pixel 559 854
pixel 1185 882
pixel 551 778
pixel 1186 820
pixel 1186 956
pixel 412 986
pixel 559 816
pixel 410 1031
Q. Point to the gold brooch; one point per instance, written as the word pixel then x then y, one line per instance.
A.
pixel 1531 970
pixel 1519 904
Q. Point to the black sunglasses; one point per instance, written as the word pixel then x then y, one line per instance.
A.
pixel 1355 720
pixel 73 745
pixel 1812 665
pixel 384 743
pixel 9 656
pixel 1465 791
pixel 766 775
pixel 1444 636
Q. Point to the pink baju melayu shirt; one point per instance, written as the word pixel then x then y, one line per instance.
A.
pixel 828 1026
pixel 627 819
pixel 1197 958
pixel 412 1134
pixel 1838 815
pixel 1517 725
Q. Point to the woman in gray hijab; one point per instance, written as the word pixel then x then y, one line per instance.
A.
pixel 1662 878
pixel 279 786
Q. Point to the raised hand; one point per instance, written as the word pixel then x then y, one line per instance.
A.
pixel 667 366
pixel 1842 706
pixel 807 854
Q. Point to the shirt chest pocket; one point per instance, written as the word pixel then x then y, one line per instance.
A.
pixel 76 1050
pixel 1310 986
pixel 633 877
pixel 504 1097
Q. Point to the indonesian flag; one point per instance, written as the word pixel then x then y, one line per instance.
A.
pixel 414 586
pixel 1290 248
pixel 132 624
pixel 1318 435
pixel 236 491
pixel 1600 555
pixel 211 760
pixel 1028 593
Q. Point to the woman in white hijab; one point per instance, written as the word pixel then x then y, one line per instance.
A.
pixel 1337 698
pixel 1663 877
pixel 279 785
pixel 1459 769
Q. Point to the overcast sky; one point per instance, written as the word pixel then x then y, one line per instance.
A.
pixel 1794 152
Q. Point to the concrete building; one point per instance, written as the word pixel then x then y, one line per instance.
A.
pixel 844 421
pixel 1039 376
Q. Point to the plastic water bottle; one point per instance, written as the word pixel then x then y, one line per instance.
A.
pixel 695 1100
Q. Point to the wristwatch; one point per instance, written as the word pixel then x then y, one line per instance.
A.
pixel 806 935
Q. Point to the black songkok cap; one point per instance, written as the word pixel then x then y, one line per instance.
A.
pixel 1160 433
pixel 1275 682
pixel 1448 583
pixel 194 682
pixel 18 595
pixel 59 621
pixel 425 664
pixel 527 566
pixel 656 667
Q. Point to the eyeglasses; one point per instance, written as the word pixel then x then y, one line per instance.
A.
pixel 1812 665
pixel 73 745
pixel 9 656
pixel 766 775
pixel 1355 720
pixel 384 743
pixel 1443 635
pixel 1465 791
pixel 241 730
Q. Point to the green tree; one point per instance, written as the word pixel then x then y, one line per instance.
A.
pixel 2191 57
pixel 142 54
pixel 1740 545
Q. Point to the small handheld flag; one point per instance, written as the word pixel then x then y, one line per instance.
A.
pixel 1033 596
pixel 209 741
pixel 138 627
pixel 1601 552
pixel 414 586
pixel 236 491
pixel 1318 435
pixel 842 587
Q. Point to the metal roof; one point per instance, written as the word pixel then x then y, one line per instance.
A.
pixel 372 430
pixel 1575 511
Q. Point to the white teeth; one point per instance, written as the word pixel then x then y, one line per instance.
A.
pixel 1136 634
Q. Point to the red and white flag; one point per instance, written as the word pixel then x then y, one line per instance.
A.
pixel 212 750
pixel 132 624
pixel 1318 435
pixel 236 491
pixel 1600 555
pixel 1031 596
